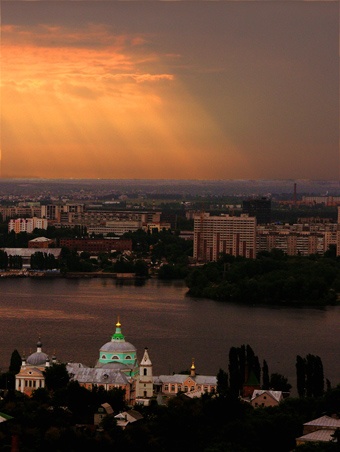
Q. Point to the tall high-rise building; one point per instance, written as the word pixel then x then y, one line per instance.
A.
pixel 26 224
pixel 259 208
pixel 233 235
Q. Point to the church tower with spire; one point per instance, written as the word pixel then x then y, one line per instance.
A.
pixel 144 383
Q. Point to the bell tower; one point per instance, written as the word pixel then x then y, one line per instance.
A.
pixel 144 389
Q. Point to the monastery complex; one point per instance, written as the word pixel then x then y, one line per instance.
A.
pixel 116 367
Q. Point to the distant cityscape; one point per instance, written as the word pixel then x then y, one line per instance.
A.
pixel 239 225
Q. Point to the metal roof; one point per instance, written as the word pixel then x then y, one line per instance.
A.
pixel 27 252
pixel 318 435
pixel 325 421
pixel 181 378
pixel 277 395
pixel 97 375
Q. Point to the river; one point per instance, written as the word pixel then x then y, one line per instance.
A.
pixel 74 317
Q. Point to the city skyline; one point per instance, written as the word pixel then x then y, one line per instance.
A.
pixel 170 90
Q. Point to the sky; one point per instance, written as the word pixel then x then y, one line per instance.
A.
pixel 170 89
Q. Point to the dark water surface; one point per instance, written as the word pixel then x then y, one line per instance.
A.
pixel 75 317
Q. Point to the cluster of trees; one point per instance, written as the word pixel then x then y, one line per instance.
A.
pixel 11 261
pixel 310 376
pixel 152 246
pixel 71 261
pixel 43 261
pixel 272 278
pixel 244 368
pixel 161 244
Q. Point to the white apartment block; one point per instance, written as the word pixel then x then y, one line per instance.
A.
pixel 117 227
pixel 293 242
pixel 239 236
pixel 224 234
pixel 27 224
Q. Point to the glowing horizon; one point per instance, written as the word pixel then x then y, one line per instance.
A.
pixel 91 99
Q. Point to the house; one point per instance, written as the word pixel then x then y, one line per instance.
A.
pixel 321 429
pixel 40 242
pixel 104 410
pixel 265 398
pixel 128 417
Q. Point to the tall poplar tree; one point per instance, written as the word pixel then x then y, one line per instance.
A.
pixel 265 375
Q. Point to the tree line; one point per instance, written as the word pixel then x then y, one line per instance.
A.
pixel 272 278
pixel 244 369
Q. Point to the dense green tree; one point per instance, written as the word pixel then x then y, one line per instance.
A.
pixel 7 381
pixel 300 375
pixel 172 271
pixel 310 376
pixel 3 260
pixel 222 383
pixel 141 268
pixel 15 363
pixel 279 383
pixel 314 376
pixel 56 376
pixel 242 362
pixel 265 375
pixel 15 262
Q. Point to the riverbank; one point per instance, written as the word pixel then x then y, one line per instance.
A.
pixel 58 274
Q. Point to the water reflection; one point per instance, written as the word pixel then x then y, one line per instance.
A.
pixel 75 317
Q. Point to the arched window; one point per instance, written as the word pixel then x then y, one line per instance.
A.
pixel 115 357
pixel 103 356
pixel 145 372
pixel 128 357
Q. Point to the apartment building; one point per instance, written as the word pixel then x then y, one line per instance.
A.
pixel 20 211
pixel 27 224
pixel 297 239
pixel 224 234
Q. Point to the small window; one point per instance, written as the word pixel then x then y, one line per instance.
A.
pixel 128 357
pixel 166 388
pixel 115 357
pixel 173 388
pixel 145 372
pixel 103 356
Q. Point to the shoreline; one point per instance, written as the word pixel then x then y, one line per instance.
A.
pixel 51 274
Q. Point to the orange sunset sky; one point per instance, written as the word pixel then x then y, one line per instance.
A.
pixel 170 90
